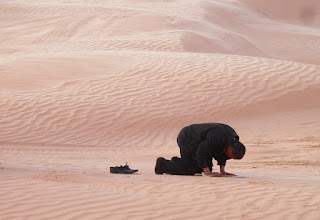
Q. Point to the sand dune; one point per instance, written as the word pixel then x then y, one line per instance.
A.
pixel 158 93
pixel 86 85
pixel 300 12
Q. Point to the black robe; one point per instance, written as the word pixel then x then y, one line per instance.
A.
pixel 202 142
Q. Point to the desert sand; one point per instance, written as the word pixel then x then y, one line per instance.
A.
pixel 85 85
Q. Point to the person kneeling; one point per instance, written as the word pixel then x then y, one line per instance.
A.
pixel 199 144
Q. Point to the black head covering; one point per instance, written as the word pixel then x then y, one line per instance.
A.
pixel 238 149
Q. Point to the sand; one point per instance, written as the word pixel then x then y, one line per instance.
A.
pixel 86 85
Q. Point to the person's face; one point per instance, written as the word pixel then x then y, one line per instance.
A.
pixel 229 152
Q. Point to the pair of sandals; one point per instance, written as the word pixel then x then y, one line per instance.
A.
pixel 122 169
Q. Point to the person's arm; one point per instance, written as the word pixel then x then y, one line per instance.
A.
pixel 202 154
pixel 207 146
pixel 223 172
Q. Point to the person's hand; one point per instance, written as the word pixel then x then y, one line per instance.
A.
pixel 228 174
pixel 223 172
pixel 207 172
pixel 215 175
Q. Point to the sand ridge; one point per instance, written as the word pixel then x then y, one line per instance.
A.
pixel 99 111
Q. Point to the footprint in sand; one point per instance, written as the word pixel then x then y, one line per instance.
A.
pixel 220 194
pixel 257 182
pixel 55 177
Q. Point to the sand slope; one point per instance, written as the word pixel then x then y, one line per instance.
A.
pixel 155 96
pixel 86 85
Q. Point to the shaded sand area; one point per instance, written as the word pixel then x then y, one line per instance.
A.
pixel 86 85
